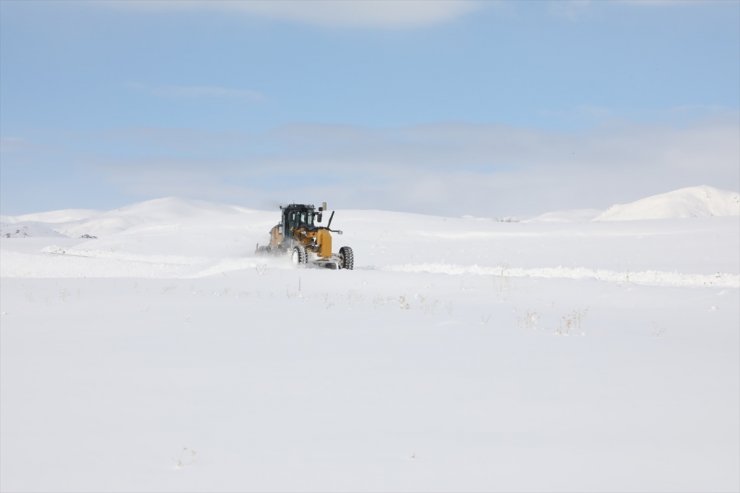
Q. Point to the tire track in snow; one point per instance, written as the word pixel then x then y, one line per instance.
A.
pixel 58 262
pixel 175 260
pixel 124 264
pixel 645 278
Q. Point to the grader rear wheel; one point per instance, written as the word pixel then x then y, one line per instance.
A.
pixel 346 258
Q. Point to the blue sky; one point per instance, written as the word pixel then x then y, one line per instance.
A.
pixel 483 108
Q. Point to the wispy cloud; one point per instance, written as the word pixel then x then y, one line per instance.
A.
pixel 570 9
pixel 664 3
pixel 391 14
pixel 10 143
pixel 575 10
pixel 200 92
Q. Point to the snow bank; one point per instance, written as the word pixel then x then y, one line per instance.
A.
pixel 702 201
pixel 646 278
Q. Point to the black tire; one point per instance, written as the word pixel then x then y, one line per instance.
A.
pixel 298 255
pixel 346 258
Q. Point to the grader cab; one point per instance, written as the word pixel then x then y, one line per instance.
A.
pixel 301 235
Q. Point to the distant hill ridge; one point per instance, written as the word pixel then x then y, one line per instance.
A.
pixel 701 201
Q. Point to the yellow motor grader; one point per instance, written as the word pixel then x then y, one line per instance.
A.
pixel 300 235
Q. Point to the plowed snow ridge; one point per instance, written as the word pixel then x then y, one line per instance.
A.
pixel 646 278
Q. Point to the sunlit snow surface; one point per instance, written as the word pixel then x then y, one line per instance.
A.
pixel 461 354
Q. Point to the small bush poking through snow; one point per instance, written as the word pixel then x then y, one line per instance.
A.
pixel 186 458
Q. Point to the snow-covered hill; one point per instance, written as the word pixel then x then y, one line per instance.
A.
pixel 703 201
pixel 147 349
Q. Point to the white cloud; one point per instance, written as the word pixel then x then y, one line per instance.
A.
pixel 484 170
pixel 329 13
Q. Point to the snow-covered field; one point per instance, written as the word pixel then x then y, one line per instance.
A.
pixel 147 349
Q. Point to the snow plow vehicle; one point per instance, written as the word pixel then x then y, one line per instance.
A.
pixel 300 234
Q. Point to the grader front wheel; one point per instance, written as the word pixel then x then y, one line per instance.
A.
pixel 298 255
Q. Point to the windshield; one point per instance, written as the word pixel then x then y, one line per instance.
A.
pixel 307 218
pixel 301 218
